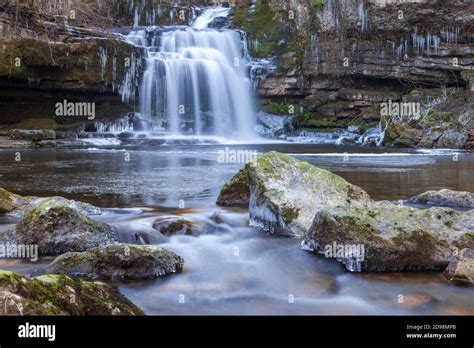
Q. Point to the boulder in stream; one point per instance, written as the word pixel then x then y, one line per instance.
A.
pixel 176 225
pixel 17 206
pixel 446 197
pixel 11 203
pixel 60 295
pixel 117 261
pixel 285 193
pixel 393 238
pixel 294 198
pixel 56 228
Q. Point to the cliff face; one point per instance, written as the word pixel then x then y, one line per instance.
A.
pixel 343 58
pixel 52 50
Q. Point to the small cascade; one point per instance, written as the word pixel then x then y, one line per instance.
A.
pixel 195 81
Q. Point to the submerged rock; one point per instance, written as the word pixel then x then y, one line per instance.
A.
pixel 417 301
pixel 394 238
pixel 60 295
pixel 57 228
pixel 175 225
pixel 286 193
pixel 461 269
pixel 445 197
pixel 118 261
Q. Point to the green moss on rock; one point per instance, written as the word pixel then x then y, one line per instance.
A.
pixel 235 192
pixel 395 238
pixel 60 295
pixel 57 227
pixel 118 261
pixel 6 201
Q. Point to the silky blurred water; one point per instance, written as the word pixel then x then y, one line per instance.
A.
pixel 236 269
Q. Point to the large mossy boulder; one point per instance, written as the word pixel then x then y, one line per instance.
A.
pixel 57 228
pixel 461 269
pixel 60 295
pixel 294 198
pixel 394 238
pixel 118 261
pixel 401 135
pixel 445 197
pixel 285 193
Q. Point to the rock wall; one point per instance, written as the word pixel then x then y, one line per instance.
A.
pixel 47 57
pixel 341 59
pixel 337 61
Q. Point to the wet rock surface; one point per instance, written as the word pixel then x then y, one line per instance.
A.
pixel 394 238
pixel 285 193
pixel 175 225
pixel 236 192
pixel 116 262
pixel 60 295
pixel 57 227
pixel 445 197
pixel 294 198
pixel 461 268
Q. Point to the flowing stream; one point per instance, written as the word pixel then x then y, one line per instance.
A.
pixel 235 269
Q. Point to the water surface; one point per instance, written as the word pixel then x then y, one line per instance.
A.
pixel 237 269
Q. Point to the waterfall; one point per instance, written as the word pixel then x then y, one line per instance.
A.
pixel 196 81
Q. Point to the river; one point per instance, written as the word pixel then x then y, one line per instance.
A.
pixel 236 269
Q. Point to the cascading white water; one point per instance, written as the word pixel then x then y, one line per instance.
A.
pixel 195 81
